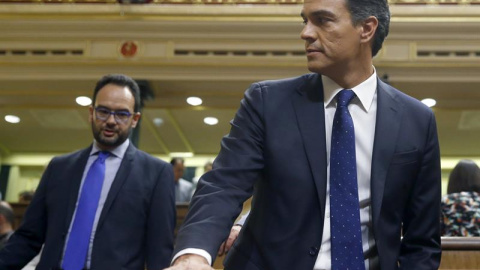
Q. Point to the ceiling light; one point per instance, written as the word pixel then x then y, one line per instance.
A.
pixel 210 121
pixel 158 121
pixel 194 101
pixel 12 119
pixel 83 101
pixel 430 102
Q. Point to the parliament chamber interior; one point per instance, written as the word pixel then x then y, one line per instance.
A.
pixel 53 51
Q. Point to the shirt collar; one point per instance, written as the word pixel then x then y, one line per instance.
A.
pixel 365 91
pixel 118 152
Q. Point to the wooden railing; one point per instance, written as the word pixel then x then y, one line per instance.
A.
pixel 460 253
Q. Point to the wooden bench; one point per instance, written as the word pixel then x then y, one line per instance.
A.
pixel 19 210
pixel 182 209
pixel 457 252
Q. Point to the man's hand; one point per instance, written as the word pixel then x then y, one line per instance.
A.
pixel 190 262
pixel 226 245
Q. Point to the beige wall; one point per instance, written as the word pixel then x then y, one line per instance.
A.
pixel 27 170
pixel 22 178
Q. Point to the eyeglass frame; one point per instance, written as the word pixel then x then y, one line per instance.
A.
pixel 115 114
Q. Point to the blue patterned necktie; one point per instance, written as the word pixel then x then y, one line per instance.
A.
pixel 79 238
pixel 346 235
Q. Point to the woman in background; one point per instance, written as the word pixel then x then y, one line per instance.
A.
pixel 461 206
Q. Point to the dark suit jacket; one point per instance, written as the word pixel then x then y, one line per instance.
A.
pixel 135 228
pixel 276 151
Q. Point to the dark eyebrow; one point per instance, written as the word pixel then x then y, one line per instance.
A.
pixel 123 110
pixel 106 108
pixel 319 13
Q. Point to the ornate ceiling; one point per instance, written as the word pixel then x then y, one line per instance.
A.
pixel 52 53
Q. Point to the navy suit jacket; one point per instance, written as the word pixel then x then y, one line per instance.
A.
pixel 276 152
pixel 135 229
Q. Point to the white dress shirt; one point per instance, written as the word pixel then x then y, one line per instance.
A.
pixel 363 109
pixel 112 164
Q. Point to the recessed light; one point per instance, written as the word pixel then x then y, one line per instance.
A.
pixel 12 119
pixel 158 121
pixel 430 102
pixel 194 101
pixel 210 121
pixel 83 101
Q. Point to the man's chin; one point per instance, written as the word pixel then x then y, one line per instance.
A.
pixel 109 141
pixel 315 68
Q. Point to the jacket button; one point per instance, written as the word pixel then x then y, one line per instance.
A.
pixel 313 251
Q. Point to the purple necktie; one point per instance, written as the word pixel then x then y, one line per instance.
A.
pixel 79 238
pixel 346 234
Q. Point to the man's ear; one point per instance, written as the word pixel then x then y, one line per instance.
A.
pixel 90 114
pixel 136 116
pixel 368 28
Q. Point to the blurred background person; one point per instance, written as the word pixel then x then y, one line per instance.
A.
pixel 232 237
pixel 461 206
pixel 26 196
pixel 206 168
pixel 183 188
pixel 7 219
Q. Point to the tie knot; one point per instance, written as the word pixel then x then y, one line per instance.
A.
pixel 344 97
pixel 103 155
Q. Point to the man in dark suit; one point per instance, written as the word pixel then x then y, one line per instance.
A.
pixel 133 217
pixel 281 150
pixel 183 188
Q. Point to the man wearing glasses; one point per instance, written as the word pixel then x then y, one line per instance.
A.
pixel 109 206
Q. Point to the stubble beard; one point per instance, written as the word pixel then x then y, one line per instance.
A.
pixel 109 142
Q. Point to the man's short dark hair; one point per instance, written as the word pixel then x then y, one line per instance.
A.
pixel 26 195
pixel 7 212
pixel 360 10
pixel 120 80
pixel 208 164
pixel 176 160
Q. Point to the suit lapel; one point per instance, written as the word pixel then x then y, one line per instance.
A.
pixel 310 113
pixel 122 175
pixel 389 113
pixel 74 184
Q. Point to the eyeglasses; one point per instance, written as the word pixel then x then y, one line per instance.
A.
pixel 120 116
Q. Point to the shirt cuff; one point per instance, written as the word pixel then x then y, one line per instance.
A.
pixel 195 251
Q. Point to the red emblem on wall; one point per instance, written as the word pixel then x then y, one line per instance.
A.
pixel 129 48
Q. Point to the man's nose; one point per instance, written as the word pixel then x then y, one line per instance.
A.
pixel 111 119
pixel 307 33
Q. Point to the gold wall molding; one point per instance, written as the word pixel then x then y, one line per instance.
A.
pixel 214 13
pixel 173 40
